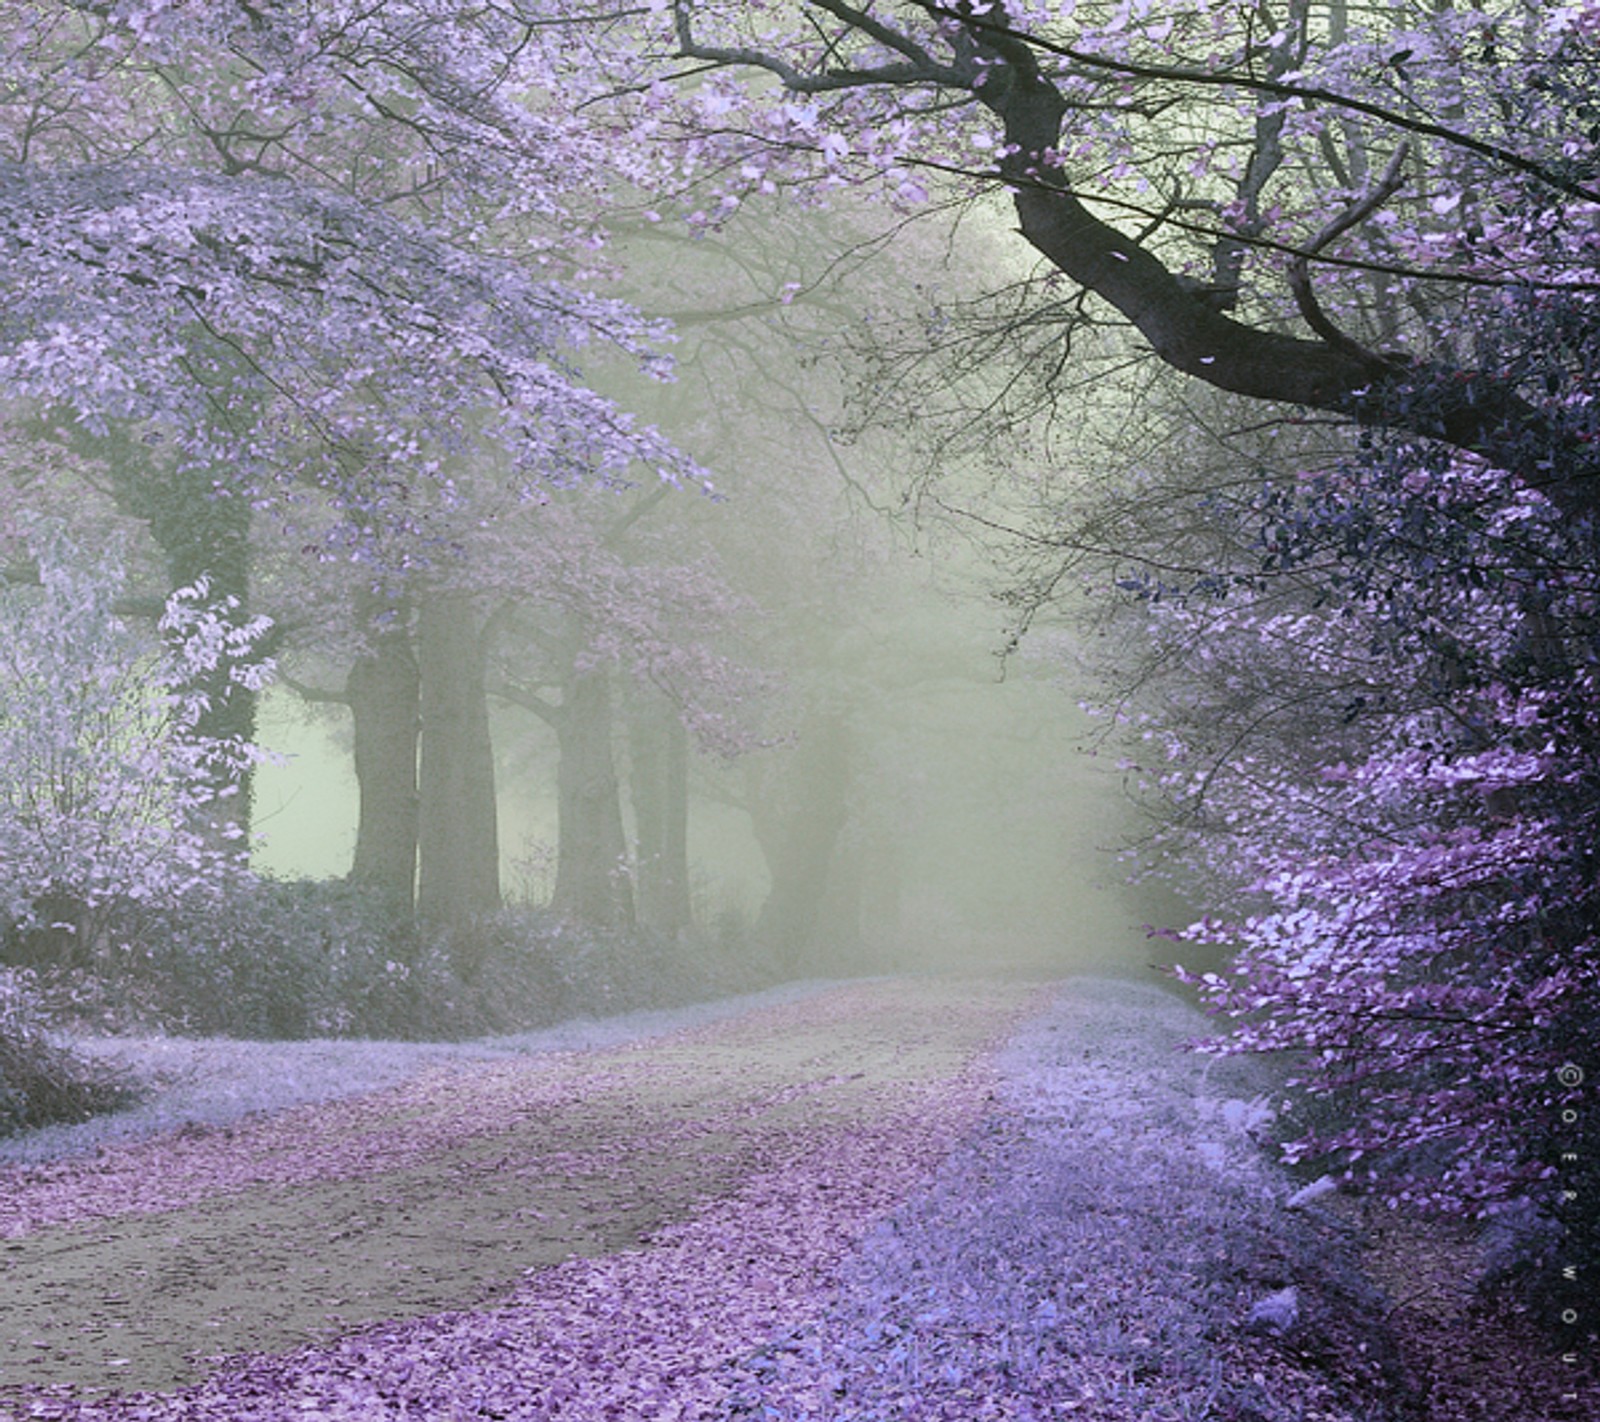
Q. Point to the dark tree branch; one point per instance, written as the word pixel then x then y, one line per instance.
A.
pixel 1000 67
pixel 1299 268
pixel 1469 409
pixel 919 67
pixel 315 695
pixel 547 711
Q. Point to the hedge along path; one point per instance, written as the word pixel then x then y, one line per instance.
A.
pixel 741 1158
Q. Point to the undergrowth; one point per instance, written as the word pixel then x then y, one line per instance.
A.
pixel 293 959
pixel 41 1083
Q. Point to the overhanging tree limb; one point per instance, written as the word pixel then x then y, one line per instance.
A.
pixel 999 67
pixel 1495 153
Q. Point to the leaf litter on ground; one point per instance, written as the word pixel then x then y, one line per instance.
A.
pixel 1079 1224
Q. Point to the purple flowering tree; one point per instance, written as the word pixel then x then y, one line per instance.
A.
pixel 308 268
pixel 338 248
pixel 1390 755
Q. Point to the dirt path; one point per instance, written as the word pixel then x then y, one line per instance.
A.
pixel 147 1266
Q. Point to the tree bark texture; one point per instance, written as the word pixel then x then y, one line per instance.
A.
pixel 798 832
pixel 458 860
pixel 592 878
pixel 383 693
pixel 658 758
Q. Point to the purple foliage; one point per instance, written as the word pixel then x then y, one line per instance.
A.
pixel 1422 871
pixel 108 789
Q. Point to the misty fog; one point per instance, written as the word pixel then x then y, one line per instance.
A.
pixel 875 775
pixel 985 829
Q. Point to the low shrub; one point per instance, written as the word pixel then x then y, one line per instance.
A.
pixel 287 959
pixel 269 959
pixel 41 1083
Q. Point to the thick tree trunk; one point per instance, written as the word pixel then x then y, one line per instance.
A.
pixel 798 834
pixel 592 882
pixel 383 691
pixel 837 943
pixel 458 868
pixel 658 752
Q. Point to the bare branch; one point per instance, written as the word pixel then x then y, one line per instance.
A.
pixel 1299 268
pixel 315 695
pixel 919 68
pixel 546 711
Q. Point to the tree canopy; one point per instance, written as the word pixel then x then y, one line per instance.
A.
pixel 325 245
